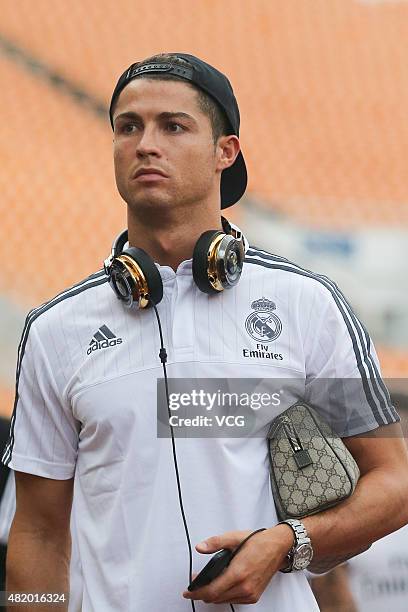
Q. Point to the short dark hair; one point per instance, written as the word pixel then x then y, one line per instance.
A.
pixel 219 123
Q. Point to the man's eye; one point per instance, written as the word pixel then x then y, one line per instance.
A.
pixel 128 128
pixel 174 127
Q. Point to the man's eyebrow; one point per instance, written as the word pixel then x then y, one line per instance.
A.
pixel 164 115
pixel 176 115
pixel 128 115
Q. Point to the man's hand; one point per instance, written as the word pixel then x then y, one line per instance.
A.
pixel 249 573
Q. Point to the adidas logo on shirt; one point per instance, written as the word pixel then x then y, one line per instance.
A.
pixel 102 339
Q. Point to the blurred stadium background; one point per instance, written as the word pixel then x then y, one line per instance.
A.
pixel 323 92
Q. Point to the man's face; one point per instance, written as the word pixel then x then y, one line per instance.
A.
pixel 158 125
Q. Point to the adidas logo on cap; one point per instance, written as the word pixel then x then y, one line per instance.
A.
pixel 103 339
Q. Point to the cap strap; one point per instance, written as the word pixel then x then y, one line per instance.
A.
pixel 184 72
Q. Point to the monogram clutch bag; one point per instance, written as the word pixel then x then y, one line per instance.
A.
pixel 311 470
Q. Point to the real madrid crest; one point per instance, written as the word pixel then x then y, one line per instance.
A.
pixel 263 325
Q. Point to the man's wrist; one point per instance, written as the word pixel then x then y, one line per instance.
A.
pixel 285 543
pixel 301 553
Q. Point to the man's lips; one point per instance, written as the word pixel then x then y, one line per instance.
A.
pixel 149 174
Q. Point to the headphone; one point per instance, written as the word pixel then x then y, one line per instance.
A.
pixel 218 259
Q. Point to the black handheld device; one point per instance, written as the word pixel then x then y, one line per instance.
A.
pixel 214 567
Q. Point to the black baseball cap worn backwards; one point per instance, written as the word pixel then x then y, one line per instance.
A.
pixel 214 83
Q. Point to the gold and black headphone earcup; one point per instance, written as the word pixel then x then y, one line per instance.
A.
pixel 201 255
pixel 135 278
pixel 217 261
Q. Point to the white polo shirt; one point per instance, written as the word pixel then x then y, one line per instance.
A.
pixel 86 406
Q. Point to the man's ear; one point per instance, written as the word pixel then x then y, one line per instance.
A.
pixel 228 148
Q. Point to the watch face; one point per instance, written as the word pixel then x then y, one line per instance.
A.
pixel 303 556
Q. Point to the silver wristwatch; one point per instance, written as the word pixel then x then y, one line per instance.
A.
pixel 301 553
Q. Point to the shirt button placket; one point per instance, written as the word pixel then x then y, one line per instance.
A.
pixel 183 316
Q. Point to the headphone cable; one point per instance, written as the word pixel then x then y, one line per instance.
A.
pixel 163 359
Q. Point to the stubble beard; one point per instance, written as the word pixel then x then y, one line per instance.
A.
pixel 159 206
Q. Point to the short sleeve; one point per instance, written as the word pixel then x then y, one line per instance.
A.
pixel 43 436
pixel 343 378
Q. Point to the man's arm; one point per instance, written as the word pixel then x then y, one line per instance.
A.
pixel 378 506
pixel 39 547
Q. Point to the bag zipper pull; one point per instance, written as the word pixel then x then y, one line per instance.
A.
pixel 300 454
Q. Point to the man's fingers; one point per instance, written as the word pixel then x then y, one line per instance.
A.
pixel 241 593
pixel 224 582
pixel 230 539
pixel 241 590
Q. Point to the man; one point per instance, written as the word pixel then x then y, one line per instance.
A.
pixel 87 376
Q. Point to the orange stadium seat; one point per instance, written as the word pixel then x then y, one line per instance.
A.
pixel 322 88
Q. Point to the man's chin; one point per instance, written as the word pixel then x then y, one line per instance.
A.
pixel 151 203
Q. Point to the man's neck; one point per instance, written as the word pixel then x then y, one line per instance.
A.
pixel 173 243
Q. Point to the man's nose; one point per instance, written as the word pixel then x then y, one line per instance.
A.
pixel 148 143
